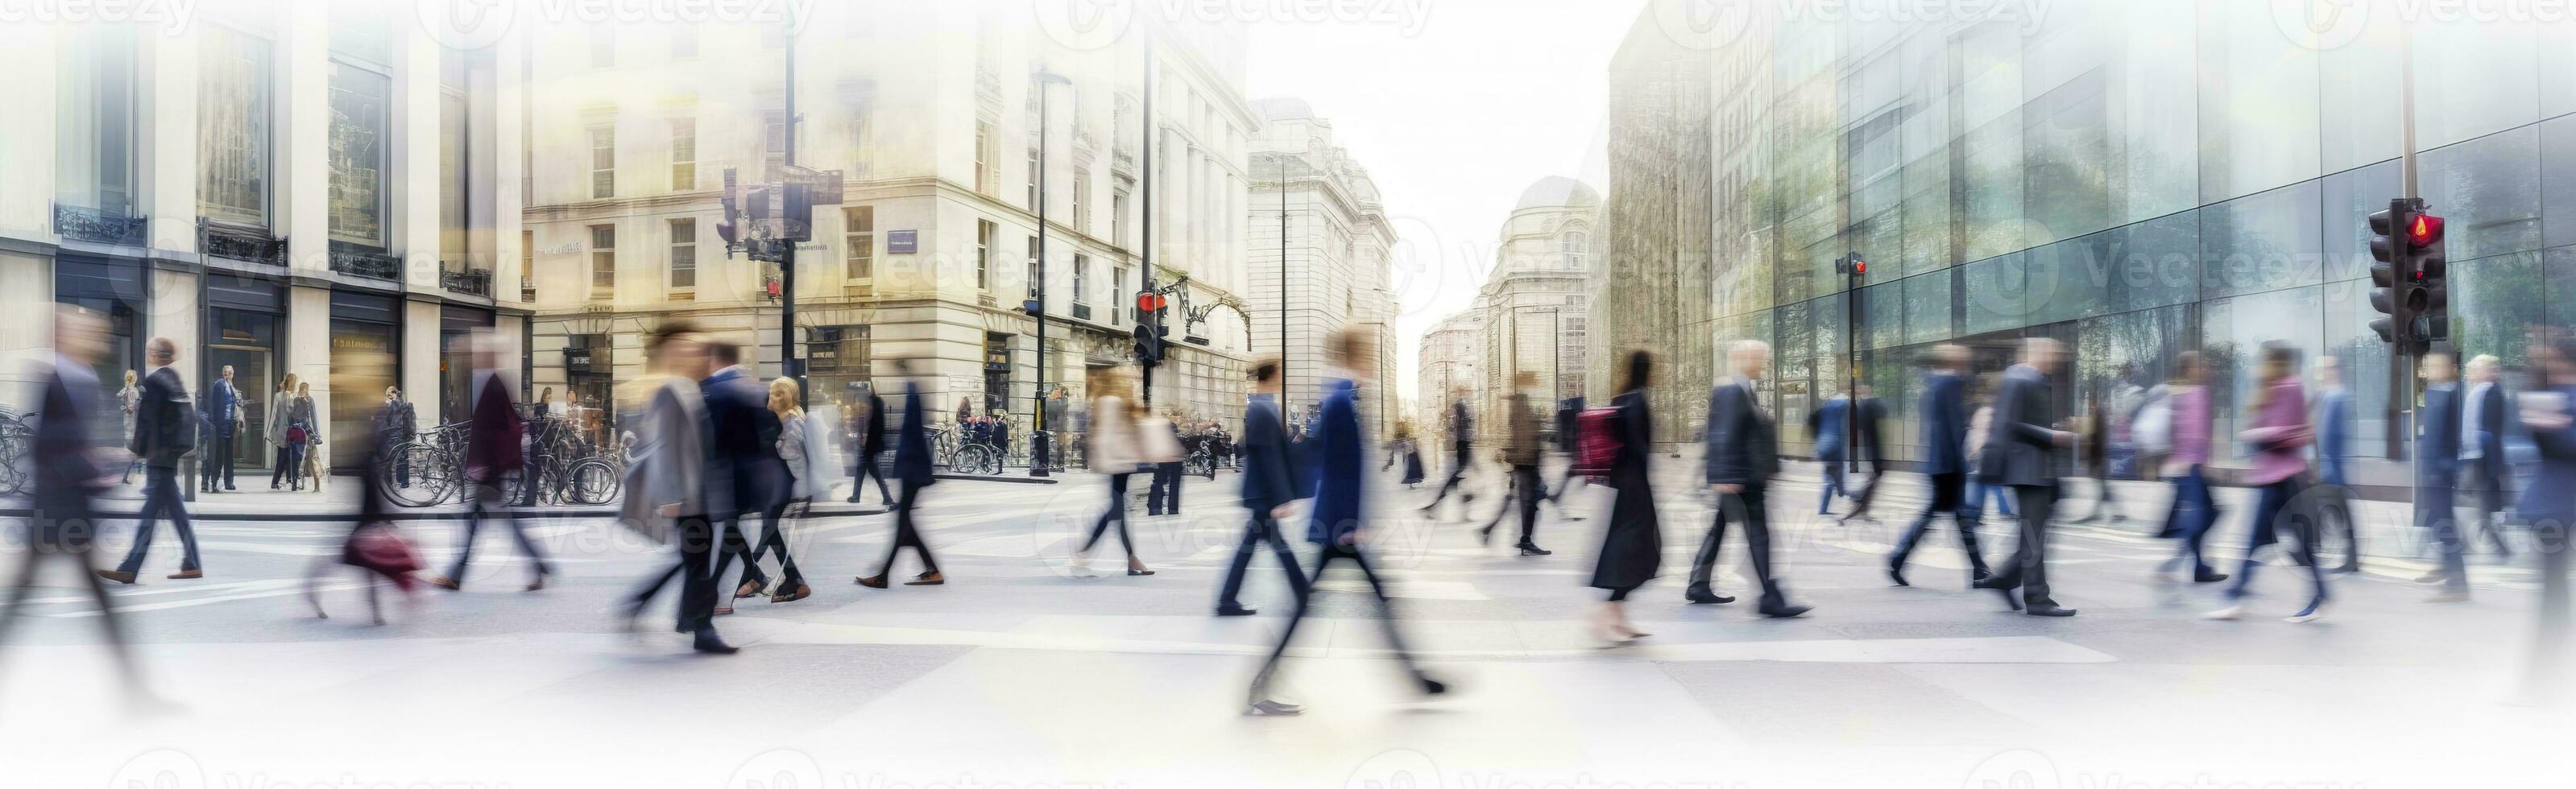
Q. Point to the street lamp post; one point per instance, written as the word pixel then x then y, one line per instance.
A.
pixel 1038 457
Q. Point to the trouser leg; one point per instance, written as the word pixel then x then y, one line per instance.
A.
pixel 1385 608
pixel 2038 503
pixel 1757 543
pixel 1525 484
pixel 1704 564
pixel 697 584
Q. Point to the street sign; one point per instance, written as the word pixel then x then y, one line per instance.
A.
pixel 823 187
pixel 903 242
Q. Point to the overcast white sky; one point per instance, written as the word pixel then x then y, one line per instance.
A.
pixel 1453 115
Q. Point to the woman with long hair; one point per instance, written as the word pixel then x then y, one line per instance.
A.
pixel 2184 403
pixel 1632 547
pixel 308 464
pixel 2279 435
pixel 783 399
pixel 281 413
pixel 1112 451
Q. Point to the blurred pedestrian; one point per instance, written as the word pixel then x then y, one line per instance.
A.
pixel 1945 462
pixel 1742 454
pixel 912 472
pixel 2178 417
pixel 2437 463
pixel 69 467
pixel 1632 547
pixel 2548 508
pixel 375 546
pixel 675 451
pixel 1336 522
pixel 224 415
pixel 305 433
pixel 1270 489
pixel 1869 416
pixel 1522 453
pixel 2094 461
pixel 870 444
pixel 281 422
pixel 165 429
pixel 396 424
pixel 1828 426
pixel 795 452
pixel 1462 456
pixel 1163 497
pixel 1114 453
pixel 742 457
pixel 492 454
pixel 2483 472
pixel 2022 454
pixel 127 399
pixel 2334 439
pixel 2279 434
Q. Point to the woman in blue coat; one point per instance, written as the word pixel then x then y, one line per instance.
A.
pixel 2548 505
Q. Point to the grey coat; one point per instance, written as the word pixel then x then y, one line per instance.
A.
pixel 675 448
pixel 279 411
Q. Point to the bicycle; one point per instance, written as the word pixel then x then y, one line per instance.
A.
pixel 17 441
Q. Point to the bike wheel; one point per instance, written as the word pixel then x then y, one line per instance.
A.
pixel 591 481
pixel 431 480
pixel 971 460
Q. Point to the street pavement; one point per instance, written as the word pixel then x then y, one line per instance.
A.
pixel 1022 672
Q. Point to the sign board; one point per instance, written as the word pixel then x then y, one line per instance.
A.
pixel 958 384
pixel 903 242
pixel 823 187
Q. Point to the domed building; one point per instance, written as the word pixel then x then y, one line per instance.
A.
pixel 1534 298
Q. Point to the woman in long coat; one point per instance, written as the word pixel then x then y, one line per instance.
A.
pixel 281 408
pixel 1633 546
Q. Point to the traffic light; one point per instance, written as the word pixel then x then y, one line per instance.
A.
pixel 1852 268
pixel 1149 345
pixel 2408 278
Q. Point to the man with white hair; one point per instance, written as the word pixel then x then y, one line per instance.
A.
pixel 2021 452
pixel 1743 452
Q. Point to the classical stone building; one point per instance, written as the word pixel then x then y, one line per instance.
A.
pixel 1451 358
pixel 1534 299
pixel 1337 263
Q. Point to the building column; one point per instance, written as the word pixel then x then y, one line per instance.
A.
pixel 302 131
pixel 420 362
pixel 308 346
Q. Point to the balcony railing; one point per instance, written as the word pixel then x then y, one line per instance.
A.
pixel 364 263
pixel 239 242
pixel 75 223
pixel 475 282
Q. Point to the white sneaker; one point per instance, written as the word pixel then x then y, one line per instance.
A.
pixel 1273 707
pixel 2225 614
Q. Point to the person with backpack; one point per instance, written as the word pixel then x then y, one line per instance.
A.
pixel 165 428
pixel 2175 422
pixel 1945 460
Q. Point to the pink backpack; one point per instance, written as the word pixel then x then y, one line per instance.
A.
pixel 1597 441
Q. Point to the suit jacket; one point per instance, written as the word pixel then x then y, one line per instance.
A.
pixel 1829 425
pixel 738 461
pixel 1743 443
pixel 674 451
pixel 1945 424
pixel 1337 454
pixel 67 467
pixel 872 434
pixel 912 446
pixel 2334 433
pixel 1269 473
pixel 2437 435
pixel 222 400
pixel 2551 498
pixel 2021 447
pixel 1462 428
pixel 2490 431
pixel 158 418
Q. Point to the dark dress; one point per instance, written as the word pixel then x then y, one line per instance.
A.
pixel 1634 544
pixel 1412 464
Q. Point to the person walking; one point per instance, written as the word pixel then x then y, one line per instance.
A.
pixel 675 451
pixel 912 471
pixel 742 460
pixel 2334 440
pixel 1632 548
pixel 127 399
pixel 224 416
pixel 2483 471
pixel 1112 449
pixel 870 444
pixel 281 422
pixel 2548 509
pixel 492 452
pixel 1945 462
pixel 1827 427
pixel 396 424
pixel 1462 455
pixel 2185 412
pixel 165 429
pixel 1334 523
pixel 798 456
pixel 374 546
pixel 2437 453
pixel 2280 435
pixel 1522 452
pixel 1270 490
pixel 1742 454
pixel 1164 496
pixel 2093 461
pixel 1868 440
pixel 304 432
pixel 2022 454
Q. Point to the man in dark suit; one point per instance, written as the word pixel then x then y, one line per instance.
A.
pixel 492 452
pixel 1521 451
pixel 1945 460
pixel 912 472
pixel 2482 462
pixel 2437 467
pixel 2022 452
pixel 69 468
pixel 871 444
pixel 397 423
pixel 1270 489
pixel 165 428
pixel 1869 440
pixel 1462 432
pixel 1743 452
pixel 223 420
pixel 742 457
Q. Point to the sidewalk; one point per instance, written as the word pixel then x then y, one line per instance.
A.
pixel 338 501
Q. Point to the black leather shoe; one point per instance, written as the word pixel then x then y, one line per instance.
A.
pixel 2047 608
pixel 1706 597
pixel 709 643
pixel 1785 611
pixel 1234 610
pixel 1528 549
pixel 1896 573
pixel 2208 578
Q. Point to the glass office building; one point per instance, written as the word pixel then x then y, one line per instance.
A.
pixel 2133 178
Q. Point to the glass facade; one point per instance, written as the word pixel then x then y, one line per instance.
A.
pixel 2134 179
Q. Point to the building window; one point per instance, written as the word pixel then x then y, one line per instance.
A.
pixel 1081 210
pixel 603 161
pixel 603 262
pixel 1033 181
pixel 684 254
pixel 603 46
pixel 1081 274
pixel 232 126
pixel 94 140
pixel 684 41
pixel 684 154
pixel 1118 218
pixel 357 151
pixel 1035 278
pixel 859 245
pixel 1117 291
pixel 1573 244
pixel 984 156
pixel 983 254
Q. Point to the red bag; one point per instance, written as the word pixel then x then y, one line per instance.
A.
pixel 380 549
pixel 1597 442
pixel 295 434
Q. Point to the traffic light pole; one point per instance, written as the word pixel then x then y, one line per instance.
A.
pixel 787 362
pixel 1145 366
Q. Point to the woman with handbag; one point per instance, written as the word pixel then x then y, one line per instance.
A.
pixel 1111 450
pixel 301 433
pixel 281 410
pixel 2279 437
pixel 374 546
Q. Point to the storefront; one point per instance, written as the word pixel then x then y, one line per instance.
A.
pixel 457 327
pixel 366 357
pixel 836 360
pixel 244 319
pixel 590 365
pixel 114 289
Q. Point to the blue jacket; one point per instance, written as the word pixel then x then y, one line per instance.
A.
pixel 739 467
pixel 1337 456
pixel 1269 473
pixel 1826 425
pixel 2334 434
pixel 2489 433
pixel 1945 424
pixel 2437 436
pixel 2551 498
pixel 220 400
pixel 912 444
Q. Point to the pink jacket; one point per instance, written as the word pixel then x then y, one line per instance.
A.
pixel 2281 434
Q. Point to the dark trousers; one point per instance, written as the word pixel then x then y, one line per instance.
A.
pixel 1305 595
pixel 773 537
pixel 1163 496
pixel 868 468
pixel 2433 510
pixel 1259 529
pixel 290 466
pixel 907 536
pixel 160 499
pixel 2028 570
pixel 2335 517
pixel 2491 489
pixel 1948 490
pixel 2193 514
pixel 1752 509
pixel 1526 491
pixel 62 531
pixel 480 504
pixel 696 538
pixel 1458 463
pixel 219 458
pixel 2280 505
pixel 1117 512
pixel 732 543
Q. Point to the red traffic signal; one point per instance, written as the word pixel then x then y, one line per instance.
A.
pixel 1860 267
pixel 1149 301
pixel 2425 230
